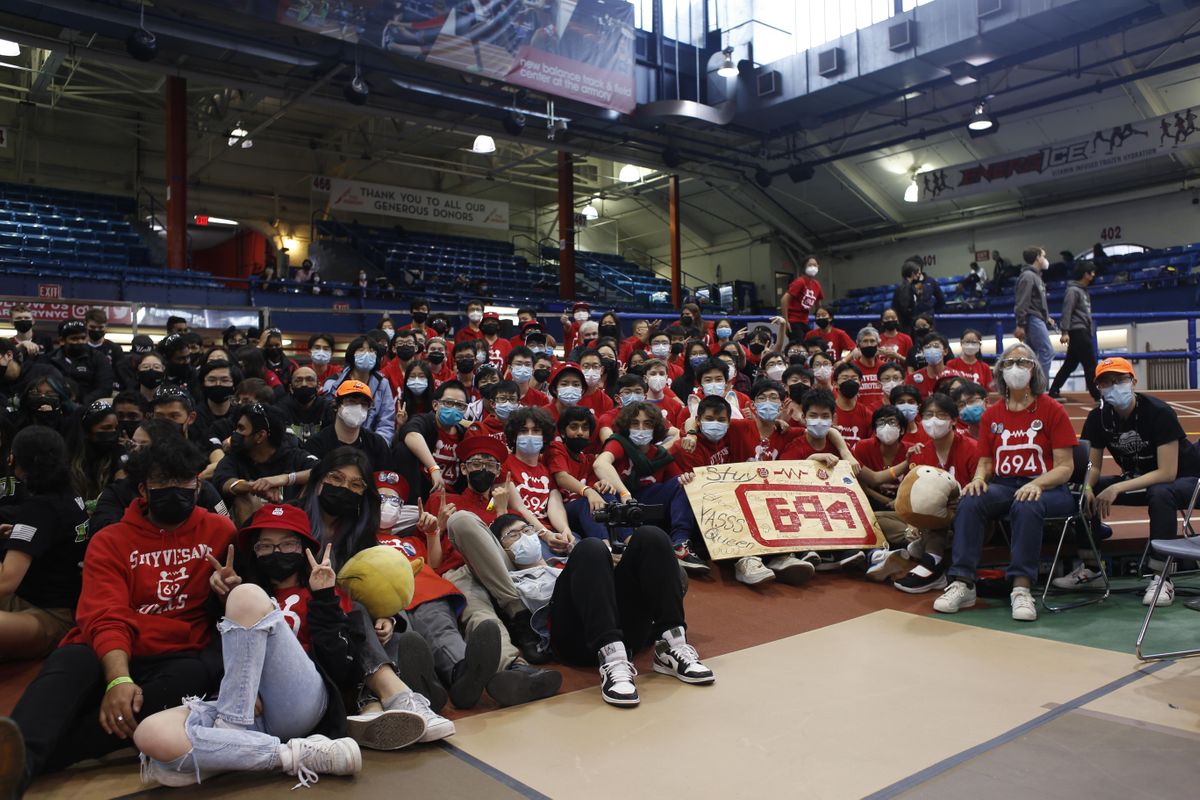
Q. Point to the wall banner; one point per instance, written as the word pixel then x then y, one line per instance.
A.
pixel 397 201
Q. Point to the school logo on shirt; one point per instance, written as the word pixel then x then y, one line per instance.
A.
pixel 1022 455
pixel 764 452
pixel 535 493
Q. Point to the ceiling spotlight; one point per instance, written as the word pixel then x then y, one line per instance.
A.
pixel 981 121
pixel 762 177
pixel 9 49
pixel 514 123
pixel 140 43
pixel 357 91
pixel 629 174
pixel 728 69
pixel 238 136
pixel 912 192
pixel 484 144
pixel 589 212
pixel 800 172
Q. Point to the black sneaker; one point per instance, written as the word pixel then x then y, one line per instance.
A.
pixel 526 639
pixel 925 577
pixel 682 661
pixel 482 659
pixel 415 668
pixel 616 679
pixel 853 562
pixel 12 759
pixel 521 683
pixel 690 561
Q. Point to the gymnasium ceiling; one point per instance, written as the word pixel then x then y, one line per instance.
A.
pixel 286 87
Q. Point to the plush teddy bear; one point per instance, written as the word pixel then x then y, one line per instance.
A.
pixel 926 498
pixel 381 578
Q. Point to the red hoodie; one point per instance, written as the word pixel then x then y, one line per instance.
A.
pixel 144 589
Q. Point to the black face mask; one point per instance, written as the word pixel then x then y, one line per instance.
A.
pixel 848 389
pixel 104 440
pixel 405 352
pixel 304 394
pixel 677 348
pixel 172 505
pixel 338 501
pixel 149 378
pixel 481 480
pixel 280 566
pixel 273 353
pixel 798 358
pixel 23 325
pixel 869 352
pixel 439 327
pixel 489 328
pixel 576 444
pixel 128 426
pixel 436 357
pixel 179 371
pixel 218 394
pixel 610 330
pixel 465 365
pixel 920 332
pixel 890 325
pixel 824 322
pixel 685 321
pixel 49 418
pixel 95 334
pixel 75 350
pixel 541 375
pixel 419 317
pixel 237 442
pixel 797 391
pixel 609 364
pixel 757 348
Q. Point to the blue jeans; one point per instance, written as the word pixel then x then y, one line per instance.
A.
pixel 579 515
pixel 1037 336
pixel 679 509
pixel 1025 520
pixel 265 660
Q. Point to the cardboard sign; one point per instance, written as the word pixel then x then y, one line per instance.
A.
pixel 781 506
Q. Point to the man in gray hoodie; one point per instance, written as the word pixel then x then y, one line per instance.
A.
pixel 1030 309
pixel 1078 331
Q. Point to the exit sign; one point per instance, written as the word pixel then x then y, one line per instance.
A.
pixel 50 291
pixel 341 306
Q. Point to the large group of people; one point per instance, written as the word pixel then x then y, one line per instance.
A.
pixel 175 517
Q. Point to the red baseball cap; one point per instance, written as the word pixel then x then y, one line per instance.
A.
pixel 391 480
pixel 565 366
pixel 481 446
pixel 581 306
pixel 491 315
pixel 281 518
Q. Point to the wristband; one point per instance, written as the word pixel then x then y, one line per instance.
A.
pixel 291 479
pixel 892 472
pixel 117 682
pixel 234 485
pixel 434 468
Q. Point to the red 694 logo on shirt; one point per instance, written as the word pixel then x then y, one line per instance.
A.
pixel 1018 455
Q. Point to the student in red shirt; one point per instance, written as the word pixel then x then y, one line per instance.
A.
pixel 907 399
pixel 141 623
pixel 594 374
pixel 570 464
pixel 580 313
pixel 520 369
pixel 853 415
pixel 658 391
pixel 893 342
pixel 527 322
pixel 935 350
pixel 763 435
pixel 635 463
pixel 566 387
pixel 802 296
pixel 532 492
pixel 638 342
pixel 891 374
pixel 320 353
pixel 819 442
pixel 1026 444
pixel 497 348
pixel 435 354
pixel 971 399
pixel 884 459
pixel 969 365
pixel 837 341
pixel 868 360
pixel 498 402
pixel 471 330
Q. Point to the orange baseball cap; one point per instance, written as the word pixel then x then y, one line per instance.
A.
pixel 1115 364
pixel 352 387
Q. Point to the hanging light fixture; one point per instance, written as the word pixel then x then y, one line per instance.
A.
pixel 589 212
pixel 484 145
pixel 9 49
pixel 981 121
pixel 728 69
pixel 629 174
pixel 239 134
pixel 912 192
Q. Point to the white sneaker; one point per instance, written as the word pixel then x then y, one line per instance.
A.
pixel 790 570
pixel 1165 597
pixel 386 730
pixel 957 596
pixel 680 660
pixel 751 571
pixel 812 557
pixel 886 565
pixel 1080 576
pixel 436 726
pixel 318 755
pixel 1023 607
pixel 616 677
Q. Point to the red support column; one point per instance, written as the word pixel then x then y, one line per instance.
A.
pixel 176 170
pixel 676 254
pixel 566 226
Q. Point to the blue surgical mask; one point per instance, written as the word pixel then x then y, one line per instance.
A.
pixel 364 361
pixel 569 395
pixel 641 438
pixel 909 410
pixel 626 399
pixel 417 385
pixel 526 550
pixel 449 417
pixel 660 350
pixel 529 444
pixel 714 431
pixel 767 410
pixel 818 427
pixel 521 374
pixel 724 333
pixel 1119 395
pixel 933 355
pixel 972 413
pixel 504 409
pixel 320 357
pixel 713 389
pixel 389 332
pixel 696 361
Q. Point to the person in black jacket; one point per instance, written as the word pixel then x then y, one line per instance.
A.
pixel 288 646
pixel 304 409
pixel 904 297
pixel 87 366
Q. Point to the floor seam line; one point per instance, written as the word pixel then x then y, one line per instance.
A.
pixel 493 772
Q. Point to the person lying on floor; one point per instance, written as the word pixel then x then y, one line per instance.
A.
pixel 590 612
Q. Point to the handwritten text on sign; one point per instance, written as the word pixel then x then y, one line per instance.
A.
pixel 753 509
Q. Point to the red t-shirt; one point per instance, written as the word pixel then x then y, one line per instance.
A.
pixel 558 459
pixel 445 453
pixel 706 453
pixel 1021 443
pixel 869 453
pixel 497 353
pixel 870 392
pixel 926 382
pixel 629 346
pixel 979 372
pixel 427 584
pixel 960 461
pixel 902 342
pixel 750 445
pixel 597 401
pixel 854 424
pixel 293 603
pixel 837 341
pixel 534 398
pixel 468 334
pixel 625 469
pixel 490 425
pixel 801 448
pixel 533 485
pixel 806 295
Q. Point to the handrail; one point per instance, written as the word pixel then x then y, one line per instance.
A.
pixel 154 205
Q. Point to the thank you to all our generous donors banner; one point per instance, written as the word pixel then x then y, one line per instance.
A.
pixel 779 507
pixel 1093 151
pixel 397 201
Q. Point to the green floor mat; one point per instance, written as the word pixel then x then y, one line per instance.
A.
pixel 1110 625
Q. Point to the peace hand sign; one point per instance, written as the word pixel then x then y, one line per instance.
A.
pixel 223 578
pixel 321 575
pixel 401 410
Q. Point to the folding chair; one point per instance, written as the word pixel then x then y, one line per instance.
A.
pixel 1188 530
pixel 1185 548
pixel 1080 519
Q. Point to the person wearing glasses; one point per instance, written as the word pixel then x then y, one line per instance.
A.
pixel 214 413
pixel 262 465
pixel 143 621
pixel 1159 466
pixel 1026 457
pixel 351 407
pixel 426 450
pixel 363 363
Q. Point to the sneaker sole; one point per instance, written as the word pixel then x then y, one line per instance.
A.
pixel 442 730
pixel 666 669
pixel 620 702
pixel 1025 619
pixel 938 584
pixel 390 730
pixel 894 564
pixel 509 688
pixel 415 667
pixel 855 563
pixel 695 569
pixel 482 660
pixel 796 574
pixel 755 581
pixel 970 604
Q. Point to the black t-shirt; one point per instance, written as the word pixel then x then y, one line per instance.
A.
pixel 374 446
pixel 305 422
pixel 52 530
pixel 287 459
pixel 1133 441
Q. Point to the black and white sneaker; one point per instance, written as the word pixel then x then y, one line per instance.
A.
pixel 690 561
pixel 853 562
pixel 925 577
pixel 616 676
pixel 682 661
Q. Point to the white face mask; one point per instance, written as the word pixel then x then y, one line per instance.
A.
pixel 818 427
pixel 823 373
pixel 475 316
pixel 660 350
pixel 417 385
pixel 641 437
pixel 656 382
pixel 811 271
pixel 389 516
pixel 715 388
pixel 592 376
pixel 775 372
pixel 353 416
pixel 888 434
pixel 887 387
pixel 1017 377
pixel 970 348
pixel 936 428
pixel 321 357
pixel 581 316
pixel 526 550
pixel 521 373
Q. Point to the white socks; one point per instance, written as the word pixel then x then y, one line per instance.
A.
pixel 674 637
pixel 614 651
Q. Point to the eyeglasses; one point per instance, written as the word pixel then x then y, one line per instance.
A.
pixel 394 502
pixel 1106 381
pixel 183 484
pixel 356 485
pixel 1008 363
pixel 489 464
pixel 266 548
pixel 459 404
pixel 516 533
pixel 506 398
pixel 936 415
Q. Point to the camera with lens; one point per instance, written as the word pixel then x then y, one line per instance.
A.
pixel 628 515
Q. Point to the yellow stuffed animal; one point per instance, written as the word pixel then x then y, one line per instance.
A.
pixel 381 578
pixel 926 498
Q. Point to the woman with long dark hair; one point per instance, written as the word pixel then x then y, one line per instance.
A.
pixel 95 452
